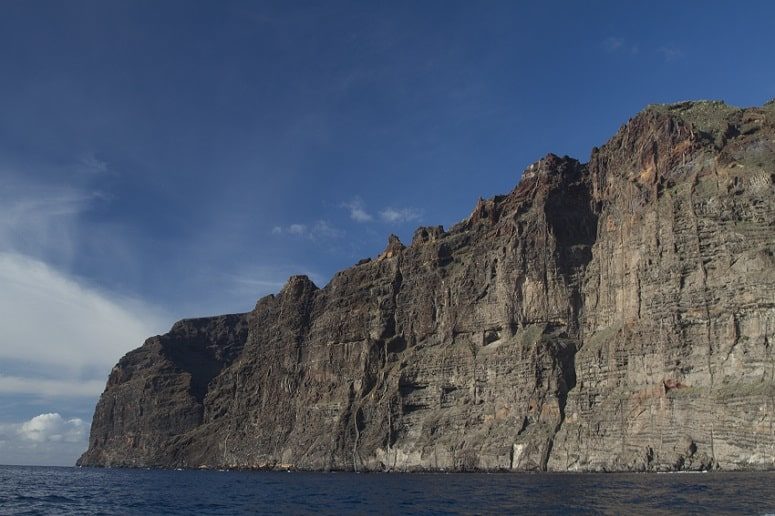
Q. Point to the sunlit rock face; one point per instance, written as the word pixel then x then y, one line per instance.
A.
pixel 614 315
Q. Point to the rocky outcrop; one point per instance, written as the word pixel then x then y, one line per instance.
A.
pixel 615 315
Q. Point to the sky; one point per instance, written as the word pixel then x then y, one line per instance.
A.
pixel 170 159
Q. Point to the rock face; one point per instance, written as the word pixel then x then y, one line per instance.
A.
pixel 615 315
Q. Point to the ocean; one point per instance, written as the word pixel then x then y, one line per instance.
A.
pixel 50 490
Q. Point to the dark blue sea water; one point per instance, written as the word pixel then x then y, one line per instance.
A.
pixel 39 490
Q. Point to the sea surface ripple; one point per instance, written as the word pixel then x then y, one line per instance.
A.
pixel 47 490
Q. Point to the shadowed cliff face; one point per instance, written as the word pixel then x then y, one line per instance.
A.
pixel 609 316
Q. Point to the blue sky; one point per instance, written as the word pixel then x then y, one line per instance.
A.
pixel 167 159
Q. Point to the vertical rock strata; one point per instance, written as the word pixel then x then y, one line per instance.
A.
pixel 615 315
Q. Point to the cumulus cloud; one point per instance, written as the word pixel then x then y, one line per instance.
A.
pixel 46 439
pixel 357 210
pixel 54 428
pixel 399 214
pixel 61 333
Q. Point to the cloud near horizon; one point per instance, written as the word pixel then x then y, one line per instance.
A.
pixel 52 427
pixel 61 333
pixel 46 439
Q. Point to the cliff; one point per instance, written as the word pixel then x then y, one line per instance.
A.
pixel 614 315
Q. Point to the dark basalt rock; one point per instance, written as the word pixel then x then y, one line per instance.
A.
pixel 614 315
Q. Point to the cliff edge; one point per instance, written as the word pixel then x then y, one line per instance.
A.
pixel 610 316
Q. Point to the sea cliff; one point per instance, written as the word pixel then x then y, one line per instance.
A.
pixel 615 315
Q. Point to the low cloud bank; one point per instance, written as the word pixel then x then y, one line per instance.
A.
pixel 45 440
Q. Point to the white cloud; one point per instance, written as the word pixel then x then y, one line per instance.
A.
pixel 320 230
pixel 297 229
pixel 255 286
pixel 323 230
pixel 90 164
pixel 46 439
pixel 65 334
pixel 358 211
pixel 40 220
pixel 60 334
pixel 53 427
pixel 51 388
pixel 259 281
pixel 399 214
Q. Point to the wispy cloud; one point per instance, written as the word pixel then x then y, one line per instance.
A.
pixel 48 388
pixel 42 220
pixel 621 46
pixel 399 214
pixel 259 281
pixel 297 229
pixel 617 45
pixel 46 439
pixel 670 53
pixel 613 44
pixel 91 164
pixel 66 335
pixel 255 285
pixel 358 210
pixel 61 333
pixel 320 230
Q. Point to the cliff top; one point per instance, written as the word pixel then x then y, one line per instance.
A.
pixel 715 118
